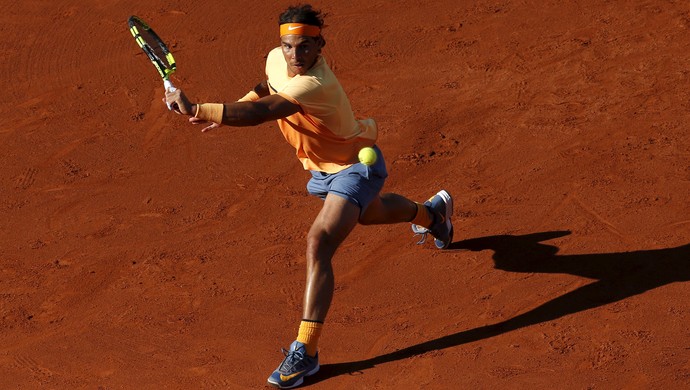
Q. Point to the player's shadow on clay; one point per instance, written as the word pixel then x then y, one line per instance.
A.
pixel 618 276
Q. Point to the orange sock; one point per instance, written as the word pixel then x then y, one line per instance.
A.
pixel 309 332
pixel 423 217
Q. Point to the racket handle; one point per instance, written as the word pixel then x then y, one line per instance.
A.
pixel 169 87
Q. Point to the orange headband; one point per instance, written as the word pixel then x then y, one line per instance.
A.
pixel 299 29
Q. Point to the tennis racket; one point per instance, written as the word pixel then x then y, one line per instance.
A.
pixel 155 49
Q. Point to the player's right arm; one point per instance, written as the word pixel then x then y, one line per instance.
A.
pixel 262 89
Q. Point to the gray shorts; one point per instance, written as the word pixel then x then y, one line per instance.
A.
pixel 359 183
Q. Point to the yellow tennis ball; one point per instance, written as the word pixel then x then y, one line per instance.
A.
pixel 367 156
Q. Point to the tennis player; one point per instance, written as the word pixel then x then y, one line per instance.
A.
pixel 314 115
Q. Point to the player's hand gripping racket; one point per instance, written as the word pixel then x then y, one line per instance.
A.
pixel 155 49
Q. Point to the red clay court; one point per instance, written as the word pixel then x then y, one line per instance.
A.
pixel 136 252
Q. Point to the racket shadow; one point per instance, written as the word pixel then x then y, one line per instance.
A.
pixel 618 276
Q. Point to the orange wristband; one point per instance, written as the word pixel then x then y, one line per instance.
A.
pixel 251 96
pixel 212 112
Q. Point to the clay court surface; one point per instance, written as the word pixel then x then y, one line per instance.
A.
pixel 138 253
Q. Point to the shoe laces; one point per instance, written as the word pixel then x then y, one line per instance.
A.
pixel 293 360
pixel 420 231
pixel 424 232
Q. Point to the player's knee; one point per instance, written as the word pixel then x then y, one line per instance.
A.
pixel 320 239
pixel 372 214
pixel 366 219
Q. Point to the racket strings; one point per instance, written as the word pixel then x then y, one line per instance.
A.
pixel 154 48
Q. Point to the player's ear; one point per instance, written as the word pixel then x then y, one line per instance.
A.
pixel 321 42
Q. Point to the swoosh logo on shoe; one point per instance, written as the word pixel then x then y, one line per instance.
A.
pixel 286 378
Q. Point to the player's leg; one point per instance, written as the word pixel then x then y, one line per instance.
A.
pixel 330 228
pixel 431 217
pixel 434 216
pixel 389 208
pixel 332 225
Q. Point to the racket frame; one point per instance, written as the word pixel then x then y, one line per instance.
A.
pixel 135 23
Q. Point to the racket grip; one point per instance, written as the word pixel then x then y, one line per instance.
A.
pixel 169 87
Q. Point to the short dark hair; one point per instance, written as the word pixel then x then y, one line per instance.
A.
pixel 302 13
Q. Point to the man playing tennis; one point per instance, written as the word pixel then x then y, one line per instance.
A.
pixel 303 95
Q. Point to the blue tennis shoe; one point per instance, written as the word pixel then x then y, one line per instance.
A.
pixel 296 365
pixel 441 206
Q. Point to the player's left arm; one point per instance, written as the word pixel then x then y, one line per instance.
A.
pixel 268 108
pixel 247 113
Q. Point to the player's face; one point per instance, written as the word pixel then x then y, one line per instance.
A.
pixel 301 52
